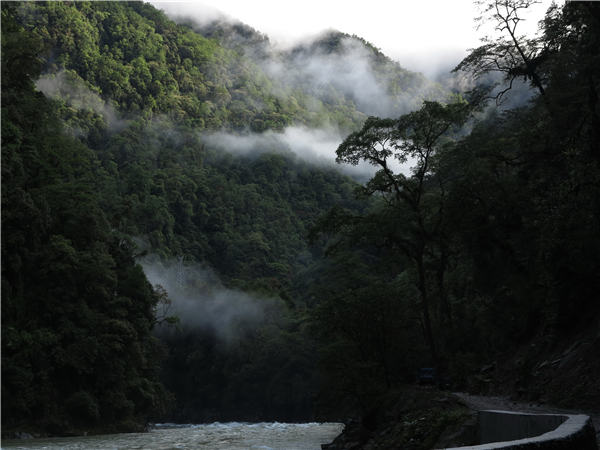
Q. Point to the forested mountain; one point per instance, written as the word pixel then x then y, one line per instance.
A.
pixel 77 311
pixel 113 155
pixel 376 84
pixel 335 67
pixel 151 171
pixel 146 64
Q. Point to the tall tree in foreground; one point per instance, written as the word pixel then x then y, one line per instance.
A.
pixel 509 52
pixel 415 201
pixel 507 217
pixel 554 156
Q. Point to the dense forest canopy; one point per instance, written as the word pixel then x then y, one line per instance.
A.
pixel 170 252
pixel 492 241
pixel 104 173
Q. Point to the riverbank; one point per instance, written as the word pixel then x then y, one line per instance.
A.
pixel 411 418
pixel 420 418
pixel 216 436
pixel 27 432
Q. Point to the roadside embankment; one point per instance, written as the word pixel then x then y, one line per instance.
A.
pixel 511 430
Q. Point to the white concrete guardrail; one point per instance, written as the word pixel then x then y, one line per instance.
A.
pixel 523 431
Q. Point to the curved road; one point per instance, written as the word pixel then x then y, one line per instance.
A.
pixel 479 402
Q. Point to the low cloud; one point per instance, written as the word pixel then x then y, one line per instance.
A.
pixel 327 66
pixel 200 301
pixel 519 95
pixel 353 70
pixel 314 145
pixel 183 12
pixel 67 85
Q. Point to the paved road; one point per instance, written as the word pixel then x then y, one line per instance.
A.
pixel 479 402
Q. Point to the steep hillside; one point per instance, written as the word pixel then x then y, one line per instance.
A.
pixel 482 262
pixel 335 67
pixel 134 56
pixel 77 311
pixel 127 93
pixel 176 246
pixel 356 69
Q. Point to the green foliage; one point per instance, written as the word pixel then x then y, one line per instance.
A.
pixel 401 89
pixel 134 56
pixel 265 373
pixel 65 348
pixel 78 353
pixel 492 237
pixel 413 204
pixel 495 233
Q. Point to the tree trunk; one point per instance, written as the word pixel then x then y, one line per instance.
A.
pixel 425 309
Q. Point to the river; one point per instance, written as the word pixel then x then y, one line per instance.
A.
pixel 225 436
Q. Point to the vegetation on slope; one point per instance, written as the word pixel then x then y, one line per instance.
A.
pixel 491 240
pixel 97 168
pixel 134 56
pixel 77 312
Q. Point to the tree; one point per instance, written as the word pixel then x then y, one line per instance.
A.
pixel 77 311
pixel 571 40
pixel 413 199
pixel 510 53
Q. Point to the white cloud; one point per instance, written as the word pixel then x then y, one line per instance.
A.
pixel 419 34
pixel 313 145
pixel 67 86
pixel 200 300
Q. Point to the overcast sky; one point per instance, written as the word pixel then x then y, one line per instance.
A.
pixel 423 35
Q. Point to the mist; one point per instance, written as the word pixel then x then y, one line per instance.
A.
pixel 349 70
pixel 517 96
pixel 182 12
pixel 67 86
pixel 201 301
pixel 314 145
pixel 352 69
pixel 328 66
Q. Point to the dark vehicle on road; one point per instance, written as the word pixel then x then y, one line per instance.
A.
pixel 426 375
pixel 429 376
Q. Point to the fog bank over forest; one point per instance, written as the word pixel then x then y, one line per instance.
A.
pixel 153 168
pixel 199 300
